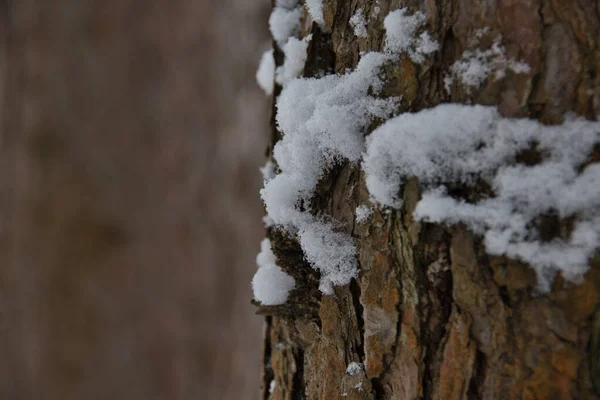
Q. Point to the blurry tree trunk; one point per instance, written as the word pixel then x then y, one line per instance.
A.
pixel 431 315
pixel 122 182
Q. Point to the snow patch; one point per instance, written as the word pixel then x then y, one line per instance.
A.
pixel 359 24
pixel 268 171
pixel 401 35
pixel 315 9
pixel 323 121
pixel 295 58
pixel 459 144
pixel 265 75
pixel 270 284
pixel 354 368
pixel 474 68
pixel 332 253
pixel 284 22
pixel 376 9
pixel 363 213
pixel 268 221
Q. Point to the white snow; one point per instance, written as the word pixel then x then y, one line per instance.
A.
pixel 268 171
pixel 424 45
pixel 295 58
pixel 359 24
pixel 315 9
pixel 284 22
pixel 376 9
pixel 268 221
pixel 270 284
pixel 265 75
pixel 459 143
pixel 363 213
pixel 323 121
pixel 332 253
pixel 354 368
pixel 401 35
pixel 474 68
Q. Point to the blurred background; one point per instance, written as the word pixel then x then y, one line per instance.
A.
pixel 132 132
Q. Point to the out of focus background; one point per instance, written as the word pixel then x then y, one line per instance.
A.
pixel 132 132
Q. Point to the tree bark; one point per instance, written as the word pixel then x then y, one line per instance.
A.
pixel 431 315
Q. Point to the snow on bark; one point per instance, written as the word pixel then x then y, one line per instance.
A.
pixel 265 75
pixel 324 122
pixel 270 285
pixel 458 144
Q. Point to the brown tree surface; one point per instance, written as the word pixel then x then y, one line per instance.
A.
pixel 431 315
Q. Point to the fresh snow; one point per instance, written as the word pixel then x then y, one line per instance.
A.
pixel 315 9
pixel 363 213
pixel 474 68
pixel 284 22
pixel 401 35
pixel 268 221
pixel 332 253
pixel 268 171
pixel 458 143
pixel 323 123
pixel 265 75
pixel 354 368
pixel 359 24
pixel 295 58
pixel 270 284
pixel 376 9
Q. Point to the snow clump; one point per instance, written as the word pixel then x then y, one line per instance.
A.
pixel 459 144
pixel 271 286
pixel 324 122
pixel 315 9
pixel 474 68
pixel 354 368
pixel 359 24
pixel 401 35
pixel 284 21
pixel 363 213
pixel 295 58
pixel 265 75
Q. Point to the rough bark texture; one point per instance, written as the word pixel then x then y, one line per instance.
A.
pixel 431 315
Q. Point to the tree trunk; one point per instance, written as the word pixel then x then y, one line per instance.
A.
pixel 431 315
pixel 120 198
